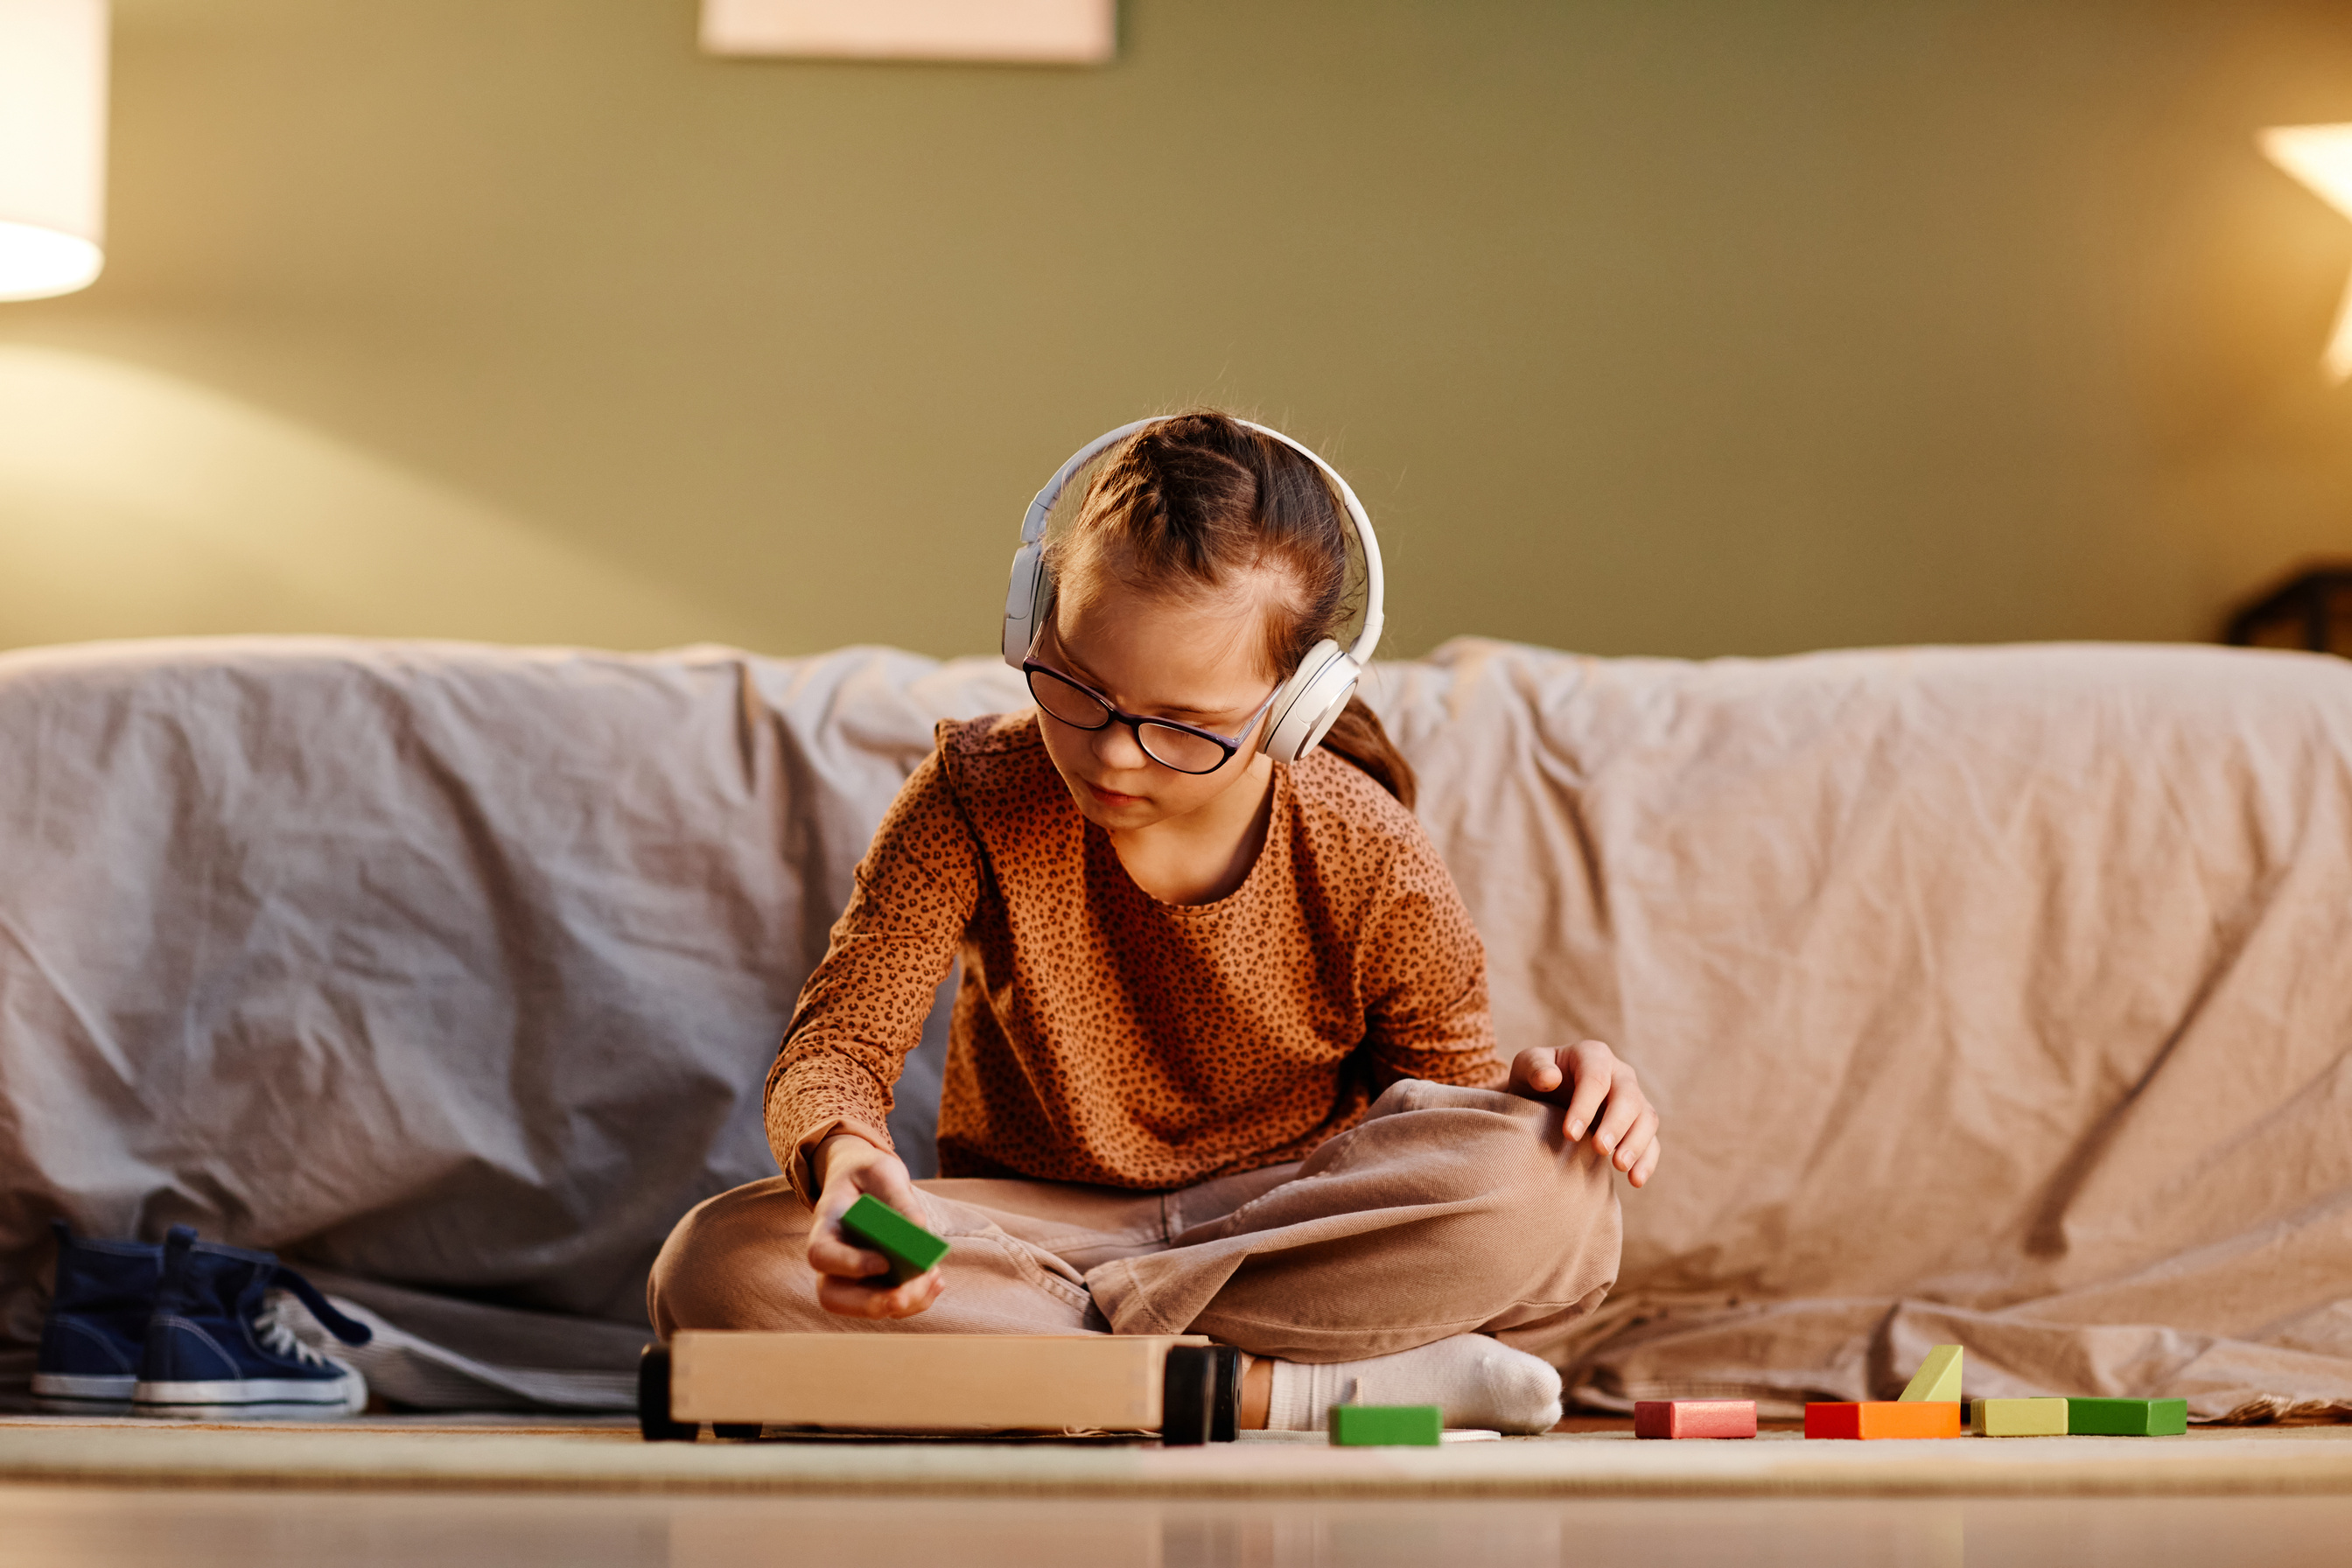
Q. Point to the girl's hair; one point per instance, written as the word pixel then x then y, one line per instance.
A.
pixel 1198 502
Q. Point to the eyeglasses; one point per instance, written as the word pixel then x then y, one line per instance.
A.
pixel 1187 748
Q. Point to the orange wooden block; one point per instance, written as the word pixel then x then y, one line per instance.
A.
pixel 1884 1418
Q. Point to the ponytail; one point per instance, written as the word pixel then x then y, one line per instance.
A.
pixel 1359 736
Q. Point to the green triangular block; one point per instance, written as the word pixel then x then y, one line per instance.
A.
pixel 1938 1377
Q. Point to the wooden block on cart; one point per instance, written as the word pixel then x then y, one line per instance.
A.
pixel 2128 1417
pixel 888 1381
pixel 1695 1418
pixel 1884 1418
pixel 2018 1418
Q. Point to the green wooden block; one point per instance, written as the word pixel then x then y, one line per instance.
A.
pixel 2127 1418
pixel 911 1249
pixel 1387 1425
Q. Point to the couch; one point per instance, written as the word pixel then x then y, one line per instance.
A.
pixel 2000 995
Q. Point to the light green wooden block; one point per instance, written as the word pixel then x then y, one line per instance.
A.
pixel 1938 1377
pixel 2018 1418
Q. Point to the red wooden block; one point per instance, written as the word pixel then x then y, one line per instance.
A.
pixel 1884 1418
pixel 1695 1418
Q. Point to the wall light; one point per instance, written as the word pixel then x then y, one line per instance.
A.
pixel 52 145
pixel 2321 157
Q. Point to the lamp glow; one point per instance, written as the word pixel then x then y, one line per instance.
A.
pixel 52 145
pixel 2321 157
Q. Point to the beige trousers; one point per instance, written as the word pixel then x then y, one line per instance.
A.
pixel 1445 1211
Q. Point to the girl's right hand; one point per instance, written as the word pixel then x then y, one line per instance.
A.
pixel 845 1166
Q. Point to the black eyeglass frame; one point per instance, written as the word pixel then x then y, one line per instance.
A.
pixel 1112 714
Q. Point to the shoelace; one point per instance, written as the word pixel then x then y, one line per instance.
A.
pixel 284 1282
pixel 275 1321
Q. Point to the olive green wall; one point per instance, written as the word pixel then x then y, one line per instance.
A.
pixel 1644 326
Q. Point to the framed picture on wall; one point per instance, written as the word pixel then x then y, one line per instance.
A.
pixel 1016 32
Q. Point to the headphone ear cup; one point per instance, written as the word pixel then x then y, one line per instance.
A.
pixel 1025 602
pixel 1310 703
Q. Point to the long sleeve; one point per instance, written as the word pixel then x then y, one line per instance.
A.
pixel 862 1009
pixel 1424 981
pixel 1104 1036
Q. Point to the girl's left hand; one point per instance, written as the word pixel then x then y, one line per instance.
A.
pixel 1588 1079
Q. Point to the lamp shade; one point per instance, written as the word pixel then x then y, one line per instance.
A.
pixel 2321 157
pixel 52 145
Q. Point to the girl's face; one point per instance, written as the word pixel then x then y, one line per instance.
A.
pixel 1194 659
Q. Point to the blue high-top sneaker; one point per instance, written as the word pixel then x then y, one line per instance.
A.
pixel 222 1346
pixel 97 1326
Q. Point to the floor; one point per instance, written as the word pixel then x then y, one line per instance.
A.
pixel 43 1526
pixel 93 1522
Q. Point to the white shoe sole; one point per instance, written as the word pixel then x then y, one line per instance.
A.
pixel 82 1394
pixel 251 1399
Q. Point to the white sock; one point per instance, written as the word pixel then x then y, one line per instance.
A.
pixel 1476 1381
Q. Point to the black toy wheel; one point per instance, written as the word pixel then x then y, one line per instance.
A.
pixel 1188 1397
pixel 1225 1390
pixel 653 1401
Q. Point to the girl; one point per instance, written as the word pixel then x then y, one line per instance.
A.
pixel 1221 1060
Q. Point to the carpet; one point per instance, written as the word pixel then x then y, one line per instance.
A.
pixel 2307 1460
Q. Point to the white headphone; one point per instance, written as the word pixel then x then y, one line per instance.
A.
pixel 1311 701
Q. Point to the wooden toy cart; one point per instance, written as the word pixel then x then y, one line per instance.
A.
pixel 1180 1386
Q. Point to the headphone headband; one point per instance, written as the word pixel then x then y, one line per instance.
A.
pixel 1310 698
pixel 1034 521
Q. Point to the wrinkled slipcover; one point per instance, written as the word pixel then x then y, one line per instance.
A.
pixel 454 968
pixel 1998 995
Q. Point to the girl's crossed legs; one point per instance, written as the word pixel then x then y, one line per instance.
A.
pixel 1445 1212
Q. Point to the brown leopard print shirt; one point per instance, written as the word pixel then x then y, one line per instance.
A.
pixel 1101 1035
